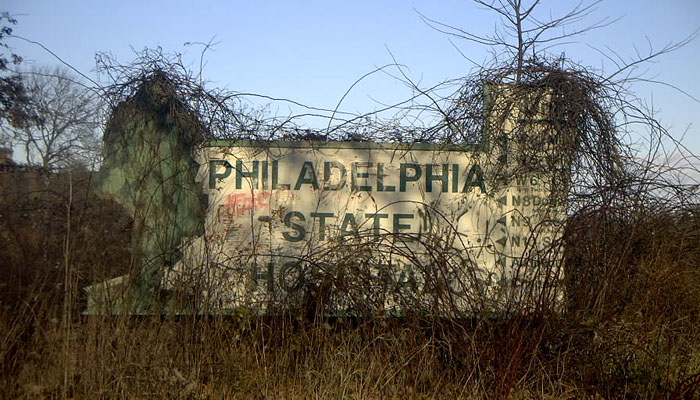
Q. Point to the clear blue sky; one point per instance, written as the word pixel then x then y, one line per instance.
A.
pixel 312 51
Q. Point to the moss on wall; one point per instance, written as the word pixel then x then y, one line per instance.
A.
pixel 149 169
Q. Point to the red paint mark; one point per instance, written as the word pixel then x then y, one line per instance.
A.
pixel 239 204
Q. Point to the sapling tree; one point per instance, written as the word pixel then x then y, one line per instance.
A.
pixel 14 99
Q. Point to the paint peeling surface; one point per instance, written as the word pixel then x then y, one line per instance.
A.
pixel 387 227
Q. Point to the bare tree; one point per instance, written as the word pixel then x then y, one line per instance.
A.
pixel 65 132
pixel 521 33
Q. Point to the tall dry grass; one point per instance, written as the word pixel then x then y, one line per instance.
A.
pixel 630 329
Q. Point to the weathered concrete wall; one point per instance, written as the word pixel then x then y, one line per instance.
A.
pixel 498 231
pixel 149 169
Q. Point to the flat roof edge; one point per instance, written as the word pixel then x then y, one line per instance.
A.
pixel 343 145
